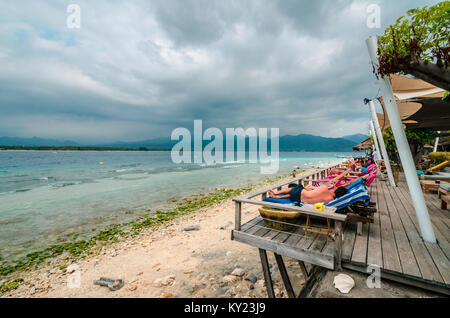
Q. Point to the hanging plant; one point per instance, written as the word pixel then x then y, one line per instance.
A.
pixel 419 45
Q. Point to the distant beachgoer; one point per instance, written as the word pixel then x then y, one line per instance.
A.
pixel 294 173
pixel 375 155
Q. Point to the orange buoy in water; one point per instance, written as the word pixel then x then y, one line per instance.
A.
pixel 101 163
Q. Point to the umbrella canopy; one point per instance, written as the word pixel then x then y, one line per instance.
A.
pixel 406 88
pixel 366 144
pixel 419 103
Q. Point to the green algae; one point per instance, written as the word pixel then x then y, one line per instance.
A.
pixel 6 287
pixel 82 247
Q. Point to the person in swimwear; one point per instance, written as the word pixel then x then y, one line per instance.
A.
pixel 302 194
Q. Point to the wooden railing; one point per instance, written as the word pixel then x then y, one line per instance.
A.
pixel 328 212
pixel 303 179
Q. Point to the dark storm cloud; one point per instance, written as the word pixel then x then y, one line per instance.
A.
pixel 138 69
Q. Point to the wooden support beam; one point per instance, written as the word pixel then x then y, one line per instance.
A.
pixel 338 245
pixel 266 272
pixel 315 276
pixel 284 276
pixel 237 216
pixel 304 270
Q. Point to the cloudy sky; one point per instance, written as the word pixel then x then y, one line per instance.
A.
pixel 136 70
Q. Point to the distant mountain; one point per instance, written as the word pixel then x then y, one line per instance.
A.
pixel 302 142
pixel 35 142
pixel 356 138
pixel 158 143
pixel 313 143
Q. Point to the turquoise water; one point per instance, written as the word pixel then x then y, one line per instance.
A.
pixel 48 195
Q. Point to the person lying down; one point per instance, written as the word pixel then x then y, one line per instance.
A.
pixel 301 194
pixel 298 193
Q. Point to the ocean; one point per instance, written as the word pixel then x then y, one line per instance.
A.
pixel 49 195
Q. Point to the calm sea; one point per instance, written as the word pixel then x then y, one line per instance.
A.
pixel 47 195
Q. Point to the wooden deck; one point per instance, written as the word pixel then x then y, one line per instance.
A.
pixel 392 242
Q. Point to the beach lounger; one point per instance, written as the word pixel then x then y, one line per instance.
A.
pixel 429 184
pixel 366 179
pixel 444 195
pixel 441 176
pixel 445 199
pixel 444 189
pixel 355 203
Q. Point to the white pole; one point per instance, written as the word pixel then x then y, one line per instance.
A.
pixel 377 148
pixel 382 145
pixel 374 136
pixel 404 151
pixel 436 144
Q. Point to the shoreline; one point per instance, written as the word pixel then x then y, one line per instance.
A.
pixel 167 260
pixel 89 150
pixel 61 254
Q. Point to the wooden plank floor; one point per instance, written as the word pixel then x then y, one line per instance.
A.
pixel 392 242
pixel 289 243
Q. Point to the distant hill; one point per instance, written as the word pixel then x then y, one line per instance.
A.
pixel 302 142
pixel 356 138
pixel 313 143
pixel 35 142
pixel 158 143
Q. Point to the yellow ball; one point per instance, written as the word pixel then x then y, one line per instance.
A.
pixel 101 163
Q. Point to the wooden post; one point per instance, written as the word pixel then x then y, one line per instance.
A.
pixel 237 215
pixel 284 276
pixel 316 274
pixel 304 270
pixel 338 245
pixel 359 226
pixel 266 271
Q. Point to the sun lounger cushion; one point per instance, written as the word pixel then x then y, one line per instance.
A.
pixel 355 184
pixel 280 201
pixel 355 194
